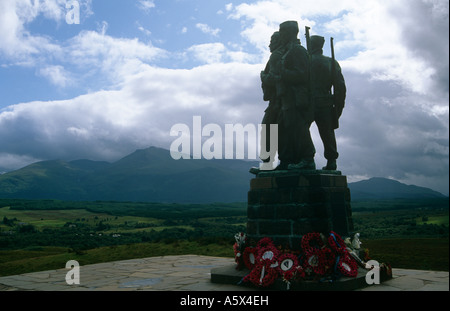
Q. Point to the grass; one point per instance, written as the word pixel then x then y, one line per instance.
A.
pixel 54 219
pixel 50 258
pixel 435 220
pixel 417 253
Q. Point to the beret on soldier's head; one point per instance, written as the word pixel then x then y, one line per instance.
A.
pixel 289 25
pixel 317 42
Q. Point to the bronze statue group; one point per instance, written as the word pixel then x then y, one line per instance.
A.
pixel 302 86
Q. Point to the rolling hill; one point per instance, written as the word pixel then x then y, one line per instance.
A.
pixel 151 175
pixel 145 175
pixel 383 188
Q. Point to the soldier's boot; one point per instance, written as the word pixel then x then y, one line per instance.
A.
pixel 282 166
pixel 331 165
pixel 305 164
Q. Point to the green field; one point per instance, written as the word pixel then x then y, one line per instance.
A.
pixel 49 258
pixel 44 234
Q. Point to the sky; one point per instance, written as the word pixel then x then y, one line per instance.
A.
pixel 98 79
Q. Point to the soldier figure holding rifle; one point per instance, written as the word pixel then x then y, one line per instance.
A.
pixel 325 74
pixel 302 86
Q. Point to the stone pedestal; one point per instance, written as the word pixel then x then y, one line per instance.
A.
pixel 285 205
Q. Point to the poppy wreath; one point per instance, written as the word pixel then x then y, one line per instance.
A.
pixel 347 266
pixel 336 243
pixel 268 256
pixel 318 258
pixel 319 261
pixel 262 275
pixel 263 272
pixel 267 252
pixel 250 254
pixel 288 266
pixel 312 241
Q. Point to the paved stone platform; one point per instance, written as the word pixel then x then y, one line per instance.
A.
pixel 183 273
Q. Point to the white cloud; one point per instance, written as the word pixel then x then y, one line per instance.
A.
pixel 207 29
pixel 17 43
pixel 110 124
pixel 57 75
pixel 21 46
pixel 371 34
pixel 208 52
pixel 144 31
pixel 112 56
pixel 146 5
pixel 10 161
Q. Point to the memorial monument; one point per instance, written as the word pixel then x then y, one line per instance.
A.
pixel 299 225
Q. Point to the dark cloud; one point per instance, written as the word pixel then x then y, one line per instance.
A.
pixel 425 33
pixel 385 132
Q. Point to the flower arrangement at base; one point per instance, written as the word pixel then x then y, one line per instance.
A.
pixel 336 243
pixel 263 272
pixel 312 241
pixel 268 255
pixel 318 261
pixel 347 266
pixel 320 256
pixel 289 268
pixel 262 276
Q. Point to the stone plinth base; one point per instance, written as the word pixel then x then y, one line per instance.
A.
pixel 285 205
pixel 229 275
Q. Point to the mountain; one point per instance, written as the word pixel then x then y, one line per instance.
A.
pixel 151 175
pixel 145 175
pixel 383 188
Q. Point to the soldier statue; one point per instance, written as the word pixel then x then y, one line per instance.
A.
pixel 270 78
pixel 295 145
pixel 325 74
pixel 298 84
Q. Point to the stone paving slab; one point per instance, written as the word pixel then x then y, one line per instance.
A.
pixel 184 273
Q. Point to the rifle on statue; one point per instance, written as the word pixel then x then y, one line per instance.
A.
pixel 333 75
pixel 308 48
pixel 308 45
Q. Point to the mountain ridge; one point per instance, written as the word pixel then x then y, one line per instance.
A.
pixel 386 188
pixel 152 175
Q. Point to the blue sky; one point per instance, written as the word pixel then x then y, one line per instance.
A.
pixel 119 79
